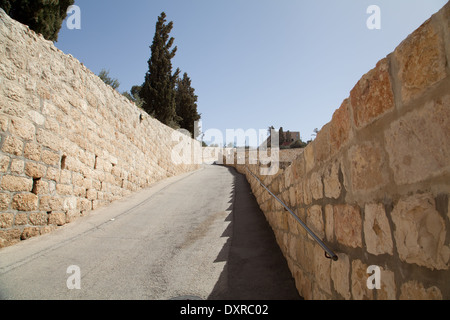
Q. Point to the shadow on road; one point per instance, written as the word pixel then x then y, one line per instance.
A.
pixel 255 267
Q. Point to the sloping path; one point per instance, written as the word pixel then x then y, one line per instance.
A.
pixel 200 234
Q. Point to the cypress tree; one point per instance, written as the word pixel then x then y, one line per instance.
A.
pixel 42 16
pixel 186 104
pixel 158 90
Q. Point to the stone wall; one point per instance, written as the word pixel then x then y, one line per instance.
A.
pixel 375 183
pixel 69 143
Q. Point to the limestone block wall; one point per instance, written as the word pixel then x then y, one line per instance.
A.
pixel 69 143
pixel 375 184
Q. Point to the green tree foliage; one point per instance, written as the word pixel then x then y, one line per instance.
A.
pixel 158 90
pixel 42 16
pixel 134 96
pixel 186 105
pixel 104 75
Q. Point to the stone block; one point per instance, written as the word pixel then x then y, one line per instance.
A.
pixel 329 222
pixel 39 218
pixel 51 158
pixel 388 290
pixel 35 170
pixel 372 96
pixel 316 186
pixel 5 200
pixel 322 270
pixel 322 151
pixel 348 225
pixel 24 129
pixel 49 140
pixel 84 204
pixel 340 129
pixel 64 189
pixel 418 143
pixel 13 145
pixel 17 166
pixel 309 158
pixel 30 232
pixel 414 290
pixel 57 218
pixel 9 237
pixel 16 184
pixel 368 167
pixel 420 232
pixel 315 222
pixel 52 174
pixel 25 202
pixel 331 183
pixel 4 163
pixel 91 194
pixel 32 151
pixel 21 219
pixel 421 61
pixel 36 117
pixel 359 277
pixel 49 203
pixel 340 274
pixel 303 284
pixel 377 230
pixel 6 220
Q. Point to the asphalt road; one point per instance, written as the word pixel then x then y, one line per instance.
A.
pixel 201 235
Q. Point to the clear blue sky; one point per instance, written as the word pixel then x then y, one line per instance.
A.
pixel 253 63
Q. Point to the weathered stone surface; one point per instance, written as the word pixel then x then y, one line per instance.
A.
pixel 340 271
pixel 9 237
pixel 5 200
pixel 25 202
pixel 309 158
pixel 322 267
pixel 314 221
pixel 6 220
pixel 373 95
pixel 422 62
pixel 35 170
pixel 39 218
pixel 348 225
pixel 16 184
pixel 377 230
pixel 316 186
pixel 340 129
pixel 50 158
pixel 329 222
pixel 4 163
pixel 57 218
pixel 17 166
pixel 322 145
pixel 331 183
pixel 368 168
pixel 413 290
pixel 32 151
pixel 23 129
pixel 418 143
pixel 51 203
pixel 359 276
pixel 30 232
pixel 420 232
pixel 13 145
pixel 388 288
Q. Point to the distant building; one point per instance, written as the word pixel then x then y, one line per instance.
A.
pixel 286 138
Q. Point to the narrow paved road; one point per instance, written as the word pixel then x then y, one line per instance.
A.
pixel 200 234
